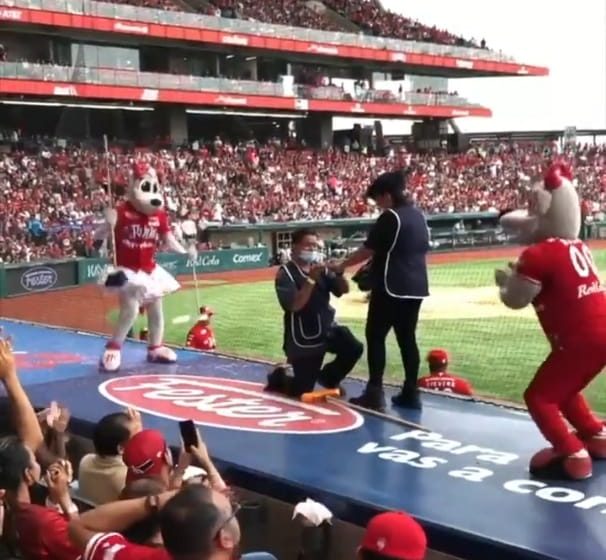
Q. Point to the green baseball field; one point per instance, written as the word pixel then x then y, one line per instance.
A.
pixel 497 349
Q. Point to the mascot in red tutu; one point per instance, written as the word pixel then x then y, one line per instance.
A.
pixel 141 227
pixel 557 275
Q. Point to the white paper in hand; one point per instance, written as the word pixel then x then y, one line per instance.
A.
pixel 314 512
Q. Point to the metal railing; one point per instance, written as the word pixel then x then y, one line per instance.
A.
pixel 108 76
pixel 185 19
pixel 151 80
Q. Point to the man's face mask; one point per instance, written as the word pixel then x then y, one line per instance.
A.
pixel 311 257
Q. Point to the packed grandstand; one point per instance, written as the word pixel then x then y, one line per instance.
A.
pixel 51 199
pixel 368 16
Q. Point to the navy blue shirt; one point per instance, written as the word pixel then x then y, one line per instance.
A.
pixel 400 242
pixel 306 330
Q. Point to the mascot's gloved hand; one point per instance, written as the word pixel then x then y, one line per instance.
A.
pixel 501 276
pixel 192 251
pixel 111 216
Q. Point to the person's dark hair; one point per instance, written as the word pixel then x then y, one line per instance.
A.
pixel 299 234
pixel 110 433
pixel 189 522
pixel 143 487
pixel 435 368
pixel 14 460
pixel 393 183
pixel 143 531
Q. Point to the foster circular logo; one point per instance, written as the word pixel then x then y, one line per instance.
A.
pixel 38 279
pixel 228 403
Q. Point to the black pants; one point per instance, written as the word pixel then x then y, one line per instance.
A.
pixel 385 312
pixel 308 370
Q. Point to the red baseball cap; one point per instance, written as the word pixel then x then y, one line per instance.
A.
pixel 396 535
pixel 437 356
pixel 145 454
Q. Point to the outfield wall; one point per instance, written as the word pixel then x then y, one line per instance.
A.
pixel 29 278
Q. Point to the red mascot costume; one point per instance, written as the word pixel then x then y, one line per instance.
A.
pixel 439 379
pixel 141 227
pixel 557 275
pixel 201 335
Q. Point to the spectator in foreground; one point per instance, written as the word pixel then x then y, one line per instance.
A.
pixel 439 379
pixel 147 455
pixel 147 531
pixel 196 523
pixel 393 536
pixel 102 475
pixel 41 532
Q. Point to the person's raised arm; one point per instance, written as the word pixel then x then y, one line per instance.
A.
pixel 114 517
pixel 379 240
pixel 200 452
pixel 24 417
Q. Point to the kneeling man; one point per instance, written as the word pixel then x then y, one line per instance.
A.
pixel 304 286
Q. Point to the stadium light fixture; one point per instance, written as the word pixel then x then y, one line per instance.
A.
pixel 245 113
pixel 75 105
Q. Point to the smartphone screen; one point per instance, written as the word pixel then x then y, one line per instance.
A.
pixel 189 434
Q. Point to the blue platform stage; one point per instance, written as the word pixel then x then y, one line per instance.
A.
pixel 465 480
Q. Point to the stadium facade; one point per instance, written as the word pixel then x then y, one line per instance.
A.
pixel 85 68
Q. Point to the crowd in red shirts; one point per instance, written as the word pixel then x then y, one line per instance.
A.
pixel 369 16
pixel 51 200
pixel 366 16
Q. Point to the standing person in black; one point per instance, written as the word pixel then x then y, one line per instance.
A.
pixel 303 287
pixel 397 244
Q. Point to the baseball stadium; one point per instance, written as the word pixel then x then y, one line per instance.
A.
pixel 232 106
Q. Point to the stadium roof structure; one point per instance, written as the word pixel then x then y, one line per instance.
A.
pixel 383 53
pixel 127 25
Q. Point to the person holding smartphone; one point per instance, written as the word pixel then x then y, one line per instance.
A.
pixel 304 286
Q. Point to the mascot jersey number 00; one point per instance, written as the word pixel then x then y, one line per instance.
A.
pixel 557 275
pixel 140 225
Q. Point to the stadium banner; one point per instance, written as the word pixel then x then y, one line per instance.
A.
pixel 41 277
pixel 2 281
pixel 216 261
pixel 89 270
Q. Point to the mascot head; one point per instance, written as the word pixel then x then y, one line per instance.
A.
pixel 144 191
pixel 553 209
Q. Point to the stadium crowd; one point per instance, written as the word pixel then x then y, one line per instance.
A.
pixel 51 201
pixel 127 497
pixel 368 15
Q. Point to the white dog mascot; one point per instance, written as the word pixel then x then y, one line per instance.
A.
pixel 140 226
